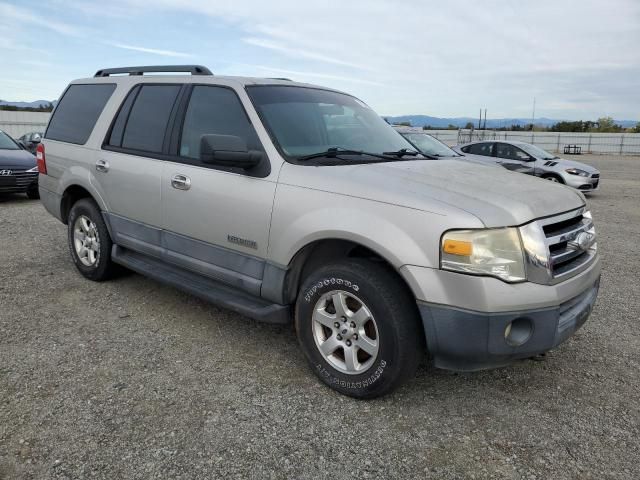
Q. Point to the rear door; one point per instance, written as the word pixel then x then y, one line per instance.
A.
pixel 129 167
pixel 482 149
pixel 216 219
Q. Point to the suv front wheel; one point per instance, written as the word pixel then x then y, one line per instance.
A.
pixel 359 328
pixel 89 241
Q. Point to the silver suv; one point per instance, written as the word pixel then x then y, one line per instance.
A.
pixel 291 202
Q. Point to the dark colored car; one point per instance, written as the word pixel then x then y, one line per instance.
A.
pixel 18 170
pixel 30 141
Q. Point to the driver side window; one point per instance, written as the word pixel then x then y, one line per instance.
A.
pixel 510 152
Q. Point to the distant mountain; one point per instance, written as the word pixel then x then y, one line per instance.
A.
pixel 34 104
pixel 438 122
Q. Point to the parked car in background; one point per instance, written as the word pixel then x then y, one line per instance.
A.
pixel 432 147
pixel 289 202
pixel 514 155
pixel 18 170
pixel 30 141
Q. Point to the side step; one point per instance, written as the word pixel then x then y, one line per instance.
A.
pixel 203 287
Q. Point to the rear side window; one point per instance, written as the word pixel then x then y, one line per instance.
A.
pixel 479 149
pixel 142 121
pixel 78 112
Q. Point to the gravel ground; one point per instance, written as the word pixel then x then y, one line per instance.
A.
pixel 132 379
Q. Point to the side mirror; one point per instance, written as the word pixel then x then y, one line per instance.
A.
pixel 36 139
pixel 227 151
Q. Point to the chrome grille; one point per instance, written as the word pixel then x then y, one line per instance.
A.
pixel 559 247
pixel 18 179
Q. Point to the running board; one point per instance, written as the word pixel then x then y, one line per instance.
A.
pixel 202 287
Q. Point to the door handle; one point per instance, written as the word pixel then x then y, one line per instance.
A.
pixel 102 166
pixel 181 182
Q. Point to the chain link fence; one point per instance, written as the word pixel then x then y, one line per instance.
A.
pixel 560 142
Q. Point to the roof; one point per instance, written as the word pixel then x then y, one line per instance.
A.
pixel 193 74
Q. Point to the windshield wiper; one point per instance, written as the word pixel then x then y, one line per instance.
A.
pixel 402 152
pixel 333 152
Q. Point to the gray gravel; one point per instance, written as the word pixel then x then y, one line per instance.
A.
pixel 132 379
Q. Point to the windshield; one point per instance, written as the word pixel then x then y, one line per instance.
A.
pixel 6 143
pixel 429 145
pixel 537 152
pixel 305 121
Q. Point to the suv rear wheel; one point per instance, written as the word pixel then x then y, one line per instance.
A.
pixel 359 328
pixel 89 241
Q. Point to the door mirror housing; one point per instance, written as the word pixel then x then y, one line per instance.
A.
pixel 228 151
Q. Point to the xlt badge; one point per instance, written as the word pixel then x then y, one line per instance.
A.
pixel 242 241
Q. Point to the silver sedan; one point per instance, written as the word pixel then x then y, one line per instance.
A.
pixel 514 155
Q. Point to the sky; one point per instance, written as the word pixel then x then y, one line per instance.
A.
pixel 580 59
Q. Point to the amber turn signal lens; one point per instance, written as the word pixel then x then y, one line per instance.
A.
pixel 457 247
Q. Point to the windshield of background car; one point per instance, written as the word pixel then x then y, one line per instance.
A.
pixel 429 145
pixel 6 143
pixel 537 152
pixel 304 121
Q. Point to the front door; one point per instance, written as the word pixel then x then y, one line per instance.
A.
pixel 514 158
pixel 216 219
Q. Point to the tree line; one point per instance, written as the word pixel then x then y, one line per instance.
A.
pixel 602 125
pixel 43 107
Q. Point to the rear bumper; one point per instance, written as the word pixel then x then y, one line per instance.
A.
pixel 51 201
pixel 466 340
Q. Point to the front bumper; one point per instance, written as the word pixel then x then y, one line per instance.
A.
pixel 584 184
pixel 465 316
pixel 18 182
pixel 464 340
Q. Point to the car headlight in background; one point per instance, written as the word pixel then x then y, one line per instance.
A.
pixel 32 170
pixel 577 171
pixel 496 252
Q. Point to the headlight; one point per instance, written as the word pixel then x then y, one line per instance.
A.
pixel 32 170
pixel 577 171
pixel 495 252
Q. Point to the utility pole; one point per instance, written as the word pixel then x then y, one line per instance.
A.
pixel 533 113
pixel 485 119
pixel 480 121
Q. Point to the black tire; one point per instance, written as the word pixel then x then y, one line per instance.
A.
pixel 553 177
pixel 103 268
pixel 399 333
pixel 33 194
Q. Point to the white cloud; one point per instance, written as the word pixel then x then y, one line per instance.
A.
pixel 442 58
pixel 300 53
pixel 153 51
pixel 302 76
pixel 10 14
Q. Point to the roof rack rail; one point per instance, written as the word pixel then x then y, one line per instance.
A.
pixel 193 69
pixel 279 78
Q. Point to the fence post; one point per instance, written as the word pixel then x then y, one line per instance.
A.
pixel 621 143
pixel 589 145
pixel 558 145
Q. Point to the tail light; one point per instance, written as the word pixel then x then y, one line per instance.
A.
pixel 40 158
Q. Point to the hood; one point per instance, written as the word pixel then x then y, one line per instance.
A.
pixel 18 159
pixel 496 196
pixel 563 163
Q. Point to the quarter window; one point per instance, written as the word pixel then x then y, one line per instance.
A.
pixel 76 115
